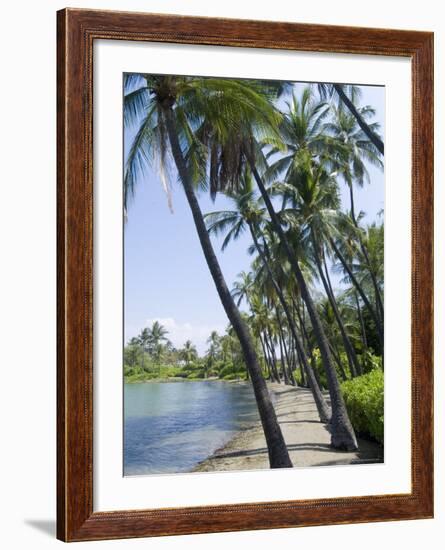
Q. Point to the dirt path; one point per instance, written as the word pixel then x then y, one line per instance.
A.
pixel 306 437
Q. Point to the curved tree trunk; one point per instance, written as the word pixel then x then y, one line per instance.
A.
pixel 361 122
pixel 278 453
pixel 342 433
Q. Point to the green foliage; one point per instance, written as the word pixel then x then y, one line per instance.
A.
pixel 364 402
pixel 229 368
pixel 235 376
pixel 198 375
pixel 370 361
pixel 317 364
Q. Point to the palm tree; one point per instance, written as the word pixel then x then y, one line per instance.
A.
pixel 243 286
pixel 157 335
pixel 214 349
pixel 248 214
pixel 144 340
pixel 357 269
pixel 358 148
pixel 347 94
pixel 188 353
pixel 342 433
pixel 313 194
pixel 132 352
pixel 179 115
pixel 344 127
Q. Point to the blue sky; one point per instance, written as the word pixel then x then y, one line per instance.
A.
pixel 166 277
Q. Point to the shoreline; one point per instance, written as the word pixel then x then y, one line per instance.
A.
pixel 179 379
pixel 307 439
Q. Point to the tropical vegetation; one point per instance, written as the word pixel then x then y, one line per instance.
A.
pixel 312 302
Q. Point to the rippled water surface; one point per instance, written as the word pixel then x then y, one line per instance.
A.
pixel 172 426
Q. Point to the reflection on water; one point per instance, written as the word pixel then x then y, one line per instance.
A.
pixel 172 426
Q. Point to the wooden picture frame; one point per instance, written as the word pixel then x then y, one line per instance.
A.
pixel 77 31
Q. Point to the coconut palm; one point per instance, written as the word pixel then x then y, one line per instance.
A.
pixel 357 270
pixel 188 352
pixel 344 127
pixel 144 339
pixel 348 94
pixel 186 121
pixel 247 213
pixel 242 287
pixel 342 433
pixel 157 335
pixel 313 194
pixel 213 351
pixel 132 352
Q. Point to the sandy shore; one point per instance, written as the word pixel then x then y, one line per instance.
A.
pixel 306 437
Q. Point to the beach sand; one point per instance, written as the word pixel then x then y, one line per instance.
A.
pixel 306 437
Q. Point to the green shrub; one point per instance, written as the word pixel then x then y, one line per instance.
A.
pixel 227 370
pixel 128 371
pixel 364 401
pixel 139 377
pixel 370 361
pixel 235 376
pixel 195 375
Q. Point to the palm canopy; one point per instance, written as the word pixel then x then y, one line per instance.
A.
pixel 243 287
pixel 208 113
pixel 348 94
pixel 303 134
pixel 247 212
pixel 360 150
pixel 158 333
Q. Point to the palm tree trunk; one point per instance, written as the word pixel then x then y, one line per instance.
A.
pixel 342 432
pixel 287 354
pixel 266 358
pixel 363 296
pixel 296 351
pixel 278 453
pixel 361 122
pixel 322 407
pixel 378 295
pixel 363 331
pixel 350 352
pixel 283 360
pixel 328 280
pixel 288 376
pixel 271 346
pixel 336 356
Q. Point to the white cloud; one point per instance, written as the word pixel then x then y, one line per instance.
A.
pixel 179 333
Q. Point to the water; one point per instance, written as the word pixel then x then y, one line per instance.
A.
pixel 172 426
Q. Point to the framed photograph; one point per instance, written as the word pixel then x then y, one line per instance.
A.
pixel 245 230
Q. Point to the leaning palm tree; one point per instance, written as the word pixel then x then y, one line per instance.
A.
pixel 360 148
pixel 178 117
pixel 249 214
pixel 314 198
pixel 342 433
pixel 347 94
pixel 242 287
